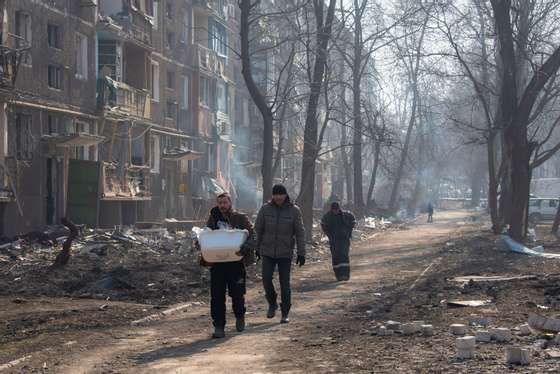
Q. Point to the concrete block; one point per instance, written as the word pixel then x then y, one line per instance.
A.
pixel 418 325
pixel 408 328
pixel 389 332
pixel 483 336
pixel 517 356
pixel 458 329
pixel 427 330
pixel 465 343
pixel 393 325
pixel 465 354
pixel 501 334
pixel 524 330
pixel 382 331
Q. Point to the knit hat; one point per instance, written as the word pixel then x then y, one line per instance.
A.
pixel 279 189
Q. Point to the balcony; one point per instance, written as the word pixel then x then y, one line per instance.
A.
pixel 6 185
pixel 131 24
pixel 210 61
pixel 120 99
pixel 211 7
pixel 125 183
pixel 9 64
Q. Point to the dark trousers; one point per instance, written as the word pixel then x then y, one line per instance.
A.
pixel 230 275
pixel 430 217
pixel 340 252
pixel 284 268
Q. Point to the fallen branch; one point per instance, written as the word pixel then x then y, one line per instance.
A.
pixel 64 256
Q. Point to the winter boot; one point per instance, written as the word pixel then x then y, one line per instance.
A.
pixel 240 324
pixel 285 313
pixel 271 310
pixel 219 333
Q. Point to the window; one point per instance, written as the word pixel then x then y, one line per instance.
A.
pixel 24 140
pixel 185 29
pixel 169 9
pixel 23 33
pixel 155 81
pixel 52 125
pixel 107 56
pixel 552 204
pixel 154 154
pixel 171 80
pixel 171 109
pixel 204 91
pixel 223 98
pixel 155 15
pixel 170 40
pixel 211 161
pixel 55 76
pixel 217 38
pixel 534 203
pixel 54 36
pixel 185 92
pixel 81 52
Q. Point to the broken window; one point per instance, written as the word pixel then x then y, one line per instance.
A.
pixel 55 77
pixel 81 51
pixel 223 97
pixel 23 138
pixel 185 93
pixel 23 33
pixel 54 36
pixel 217 38
pixel 185 29
pixel 52 126
pixel 204 91
pixel 169 9
pixel 171 110
pixel 154 154
pixel 155 81
pixel 107 56
pixel 170 40
pixel 171 79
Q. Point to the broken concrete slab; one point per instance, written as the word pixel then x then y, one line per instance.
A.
pixel 393 325
pixel 408 328
pixel 524 330
pixel 544 324
pixel 465 342
pixel 552 353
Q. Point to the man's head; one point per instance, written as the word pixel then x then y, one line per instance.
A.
pixel 279 194
pixel 224 202
pixel 335 207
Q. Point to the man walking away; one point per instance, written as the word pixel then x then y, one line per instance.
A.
pixel 279 226
pixel 430 213
pixel 338 225
pixel 230 275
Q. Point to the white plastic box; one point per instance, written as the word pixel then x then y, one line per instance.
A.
pixel 221 245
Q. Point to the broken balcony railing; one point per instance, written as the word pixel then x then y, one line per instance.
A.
pixel 120 98
pixel 130 182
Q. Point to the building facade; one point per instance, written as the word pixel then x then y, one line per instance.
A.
pixel 121 111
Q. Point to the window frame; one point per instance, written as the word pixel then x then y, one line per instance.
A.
pixel 58 36
pixel 81 50
pixel 155 82
pixel 59 77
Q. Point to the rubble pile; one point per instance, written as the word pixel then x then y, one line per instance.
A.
pixel 150 265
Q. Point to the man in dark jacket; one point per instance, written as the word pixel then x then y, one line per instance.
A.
pixel 279 227
pixel 230 275
pixel 338 225
pixel 430 210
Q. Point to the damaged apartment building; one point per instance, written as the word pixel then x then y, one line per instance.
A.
pixel 114 112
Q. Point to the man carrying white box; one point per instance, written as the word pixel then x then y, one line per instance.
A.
pixel 230 275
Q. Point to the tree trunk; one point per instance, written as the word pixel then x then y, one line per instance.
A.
pixel 373 175
pixel 310 147
pixel 357 112
pixel 258 98
pixel 64 256
pixel 347 167
pixel 556 222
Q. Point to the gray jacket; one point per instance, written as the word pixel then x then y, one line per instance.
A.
pixel 278 229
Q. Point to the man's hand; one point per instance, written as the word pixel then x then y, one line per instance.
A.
pixel 300 260
pixel 244 250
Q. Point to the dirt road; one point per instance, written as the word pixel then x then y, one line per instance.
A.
pixel 181 344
